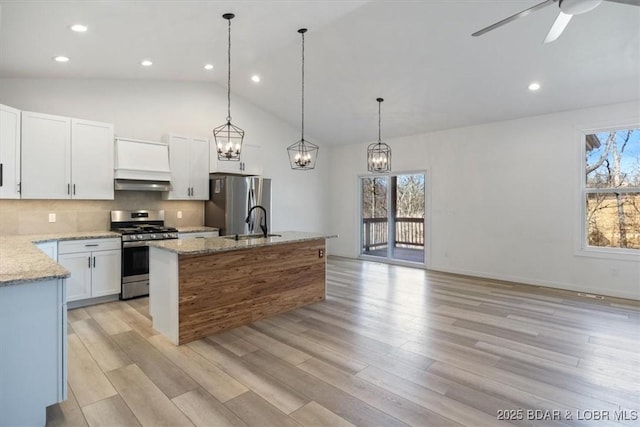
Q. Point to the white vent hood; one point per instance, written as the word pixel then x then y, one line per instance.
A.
pixel 142 165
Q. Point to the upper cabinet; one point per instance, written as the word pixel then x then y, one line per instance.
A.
pixel 250 162
pixel 64 158
pixel 91 160
pixel 189 162
pixel 9 153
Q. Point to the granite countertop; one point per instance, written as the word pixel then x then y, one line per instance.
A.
pixel 221 244
pixel 21 261
pixel 199 229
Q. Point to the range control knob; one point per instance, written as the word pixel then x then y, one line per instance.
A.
pixel 133 237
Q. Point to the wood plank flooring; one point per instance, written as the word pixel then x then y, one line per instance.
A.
pixel 391 346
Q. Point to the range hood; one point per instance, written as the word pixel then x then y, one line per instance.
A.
pixel 142 165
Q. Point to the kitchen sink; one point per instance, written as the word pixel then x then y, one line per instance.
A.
pixel 250 236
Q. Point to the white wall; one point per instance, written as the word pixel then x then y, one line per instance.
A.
pixel 505 200
pixel 151 109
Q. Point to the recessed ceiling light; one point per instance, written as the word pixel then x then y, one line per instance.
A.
pixel 79 28
pixel 61 58
pixel 534 86
pixel 146 63
pixel 255 78
pixel 208 67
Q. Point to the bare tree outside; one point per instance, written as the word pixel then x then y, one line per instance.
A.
pixel 612 168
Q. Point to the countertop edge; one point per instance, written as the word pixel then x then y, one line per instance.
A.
pixel 193 248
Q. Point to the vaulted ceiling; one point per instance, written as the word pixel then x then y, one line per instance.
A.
pixel 418 55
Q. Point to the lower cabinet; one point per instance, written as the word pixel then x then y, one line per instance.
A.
pixel 33 351
pixel 49 248
pixel 95 267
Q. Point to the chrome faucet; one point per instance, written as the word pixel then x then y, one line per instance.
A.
pixel 263 227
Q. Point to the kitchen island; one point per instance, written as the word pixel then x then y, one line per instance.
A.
pixel 202 286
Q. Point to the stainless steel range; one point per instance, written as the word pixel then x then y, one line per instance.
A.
pixel 137 229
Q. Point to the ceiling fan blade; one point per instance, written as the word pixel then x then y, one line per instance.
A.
pixel 631 2
pixel 558 27
pixel 513 17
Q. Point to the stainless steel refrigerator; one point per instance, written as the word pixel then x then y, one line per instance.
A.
pixel 231 197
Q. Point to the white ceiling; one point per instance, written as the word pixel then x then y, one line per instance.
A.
pixel 418 55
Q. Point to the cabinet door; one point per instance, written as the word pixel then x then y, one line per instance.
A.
pixel 79 284
pixel 251 161
pixel 179 162
pixel 9 153
pixel 91 160
pixel 46 148
pixel 105 275
pixel 199 169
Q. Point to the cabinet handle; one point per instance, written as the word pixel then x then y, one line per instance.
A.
pixel 1 175
pixel 74 189
pixel 68 188
pixel 94 262
pixel 89 261
pixel 91 245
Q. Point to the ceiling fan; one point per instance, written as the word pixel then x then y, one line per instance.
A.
pixel 568 8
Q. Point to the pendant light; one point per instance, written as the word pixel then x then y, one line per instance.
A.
pixel 302 154
pixel 379 153
pixel 228 138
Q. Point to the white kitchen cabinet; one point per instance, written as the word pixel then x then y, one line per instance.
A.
pixel 250 162
pixel 91 160
pixel 33 351
pixel 46 156
pixel 189 162
pixel 49 248
pixel 9 153
pixel 198 235
pixel 64 158
pixel 94 266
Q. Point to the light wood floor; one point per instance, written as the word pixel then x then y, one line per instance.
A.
pixel 391 346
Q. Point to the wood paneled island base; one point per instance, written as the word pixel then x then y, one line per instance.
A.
pixel 226 289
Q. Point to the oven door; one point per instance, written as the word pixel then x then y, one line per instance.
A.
pixel 135 270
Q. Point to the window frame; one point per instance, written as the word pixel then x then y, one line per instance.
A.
pixel 583 247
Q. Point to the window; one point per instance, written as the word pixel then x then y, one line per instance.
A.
pixel 612 190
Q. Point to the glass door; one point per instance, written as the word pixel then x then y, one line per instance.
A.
pixel 375 223
pixel 393 217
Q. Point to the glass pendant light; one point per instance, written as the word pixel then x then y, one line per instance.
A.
pixel 228 137
pixel 379 153
pixel 302 154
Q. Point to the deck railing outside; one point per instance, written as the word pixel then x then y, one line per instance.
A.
pixel 409 233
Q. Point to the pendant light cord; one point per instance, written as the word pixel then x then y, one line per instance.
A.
pixel 302 87
pixel 379 105
pixel 229 77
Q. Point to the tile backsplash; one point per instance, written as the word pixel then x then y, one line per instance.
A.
pixel 32 216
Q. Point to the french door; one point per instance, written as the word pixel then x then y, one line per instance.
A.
pixel 392 212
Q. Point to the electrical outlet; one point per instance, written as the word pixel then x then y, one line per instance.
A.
pixel 52 217
pixel 179 214
pixel 321 253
